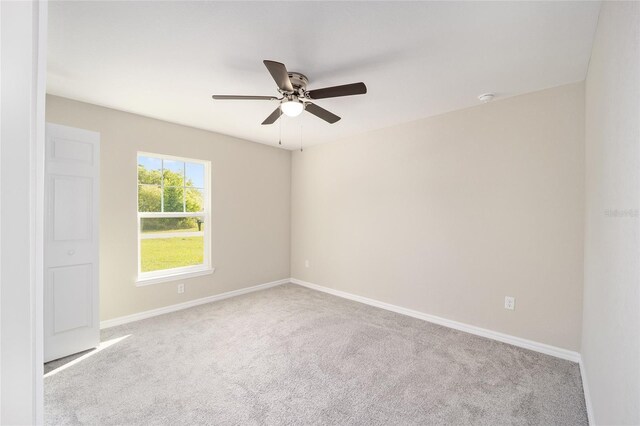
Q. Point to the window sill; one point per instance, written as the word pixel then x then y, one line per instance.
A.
pixel 141 282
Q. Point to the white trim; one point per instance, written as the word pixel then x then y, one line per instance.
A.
pixel 172 308
pixel 164 235
pixel 23 134
pixel 141 282
pixel 472 329
pixel 164 215
pixel 587 393
pixel 1 70
pixel 172 157
pixel 145 278
pixel 39 191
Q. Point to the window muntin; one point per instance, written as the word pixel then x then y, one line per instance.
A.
pixel 173 211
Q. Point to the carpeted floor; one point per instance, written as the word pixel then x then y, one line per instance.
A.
pixel 290 355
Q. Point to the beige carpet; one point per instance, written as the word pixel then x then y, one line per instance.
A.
pixel 290 355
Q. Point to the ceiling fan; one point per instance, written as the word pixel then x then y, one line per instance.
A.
pixel 295 96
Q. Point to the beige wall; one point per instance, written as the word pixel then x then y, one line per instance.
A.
pixel 611 328
pixel 250 206
pixel 450 214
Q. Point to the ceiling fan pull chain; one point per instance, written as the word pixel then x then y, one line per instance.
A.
pixel 280 137
pixel 301 139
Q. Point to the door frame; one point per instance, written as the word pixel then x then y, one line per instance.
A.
pixel 38 187
pixel 23 72
pixel 26 60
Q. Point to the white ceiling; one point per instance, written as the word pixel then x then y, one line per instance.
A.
pixel 165 59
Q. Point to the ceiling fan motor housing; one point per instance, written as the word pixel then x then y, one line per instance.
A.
pixel 298 81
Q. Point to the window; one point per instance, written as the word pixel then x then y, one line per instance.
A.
pixel 173 218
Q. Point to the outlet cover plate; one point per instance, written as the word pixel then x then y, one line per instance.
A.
pixel 509 303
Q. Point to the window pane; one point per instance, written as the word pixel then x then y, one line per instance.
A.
pixel 168 253
pixel 173 199
pixel 171 185
pixel 194 175
pixel 149 170
pixel 173 173
pixel 171 224
pixel 194 200
pixel 149 198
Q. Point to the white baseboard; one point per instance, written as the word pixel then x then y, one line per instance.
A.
pixel 501 337
pixel 172 308
pixel 587 394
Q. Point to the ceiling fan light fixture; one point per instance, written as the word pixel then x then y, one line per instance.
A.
pixel 292 108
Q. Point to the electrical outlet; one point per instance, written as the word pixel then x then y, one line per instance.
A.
pixel 180 288
pixel 306 263
pixel 509 303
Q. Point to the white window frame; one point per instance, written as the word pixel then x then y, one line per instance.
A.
pixel 164 275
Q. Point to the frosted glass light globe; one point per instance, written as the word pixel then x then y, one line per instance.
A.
pixel 292 108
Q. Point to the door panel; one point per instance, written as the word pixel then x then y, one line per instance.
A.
pixel 71 150
pixel 72 212
pixel 72 295
pixel 71 241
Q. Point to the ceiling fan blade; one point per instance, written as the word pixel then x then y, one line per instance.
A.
pixel 279 73
pixel 327 116
pixel 337 91
pixel 244 98
pixel 273 116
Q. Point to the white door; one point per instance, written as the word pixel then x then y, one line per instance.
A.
pixel 71 292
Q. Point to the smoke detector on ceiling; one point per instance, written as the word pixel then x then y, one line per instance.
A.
pixel 487 97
